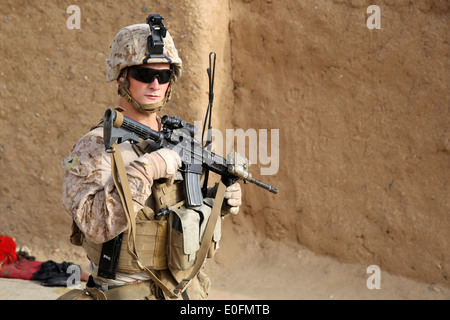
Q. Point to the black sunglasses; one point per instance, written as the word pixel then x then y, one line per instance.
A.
pixel 148 75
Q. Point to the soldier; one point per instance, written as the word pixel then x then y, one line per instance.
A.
pixel 145 79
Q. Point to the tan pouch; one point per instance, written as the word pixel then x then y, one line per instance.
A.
pixel 186 229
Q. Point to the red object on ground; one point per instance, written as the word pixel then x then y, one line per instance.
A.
pixel 7 250
pixel 20 270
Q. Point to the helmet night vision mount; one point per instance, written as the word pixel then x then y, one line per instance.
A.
pixel 155 42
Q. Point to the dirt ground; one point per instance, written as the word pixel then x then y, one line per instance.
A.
pixel 364 135
pixel 248 268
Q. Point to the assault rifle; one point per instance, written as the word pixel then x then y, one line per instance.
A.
pixel 178 135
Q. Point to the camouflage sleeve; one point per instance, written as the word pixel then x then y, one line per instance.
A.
pixel 89 193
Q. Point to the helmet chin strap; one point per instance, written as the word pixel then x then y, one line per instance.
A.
pixel 124 91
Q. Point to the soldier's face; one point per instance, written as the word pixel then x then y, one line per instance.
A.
pixel 147 93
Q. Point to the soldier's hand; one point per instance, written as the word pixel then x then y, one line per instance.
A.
pixel 233 199
pixel 155 165
pixel 173 163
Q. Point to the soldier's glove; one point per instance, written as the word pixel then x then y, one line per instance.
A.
pixel 162 163
pixel 173 163
pixel 233 199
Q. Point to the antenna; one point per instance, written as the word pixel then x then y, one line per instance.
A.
pixel 208 116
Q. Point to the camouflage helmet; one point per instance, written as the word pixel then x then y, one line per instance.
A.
pixel 129 48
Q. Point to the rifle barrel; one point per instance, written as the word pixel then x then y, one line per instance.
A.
pixel 264 185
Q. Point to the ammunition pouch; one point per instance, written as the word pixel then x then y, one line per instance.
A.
pixel 185 234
